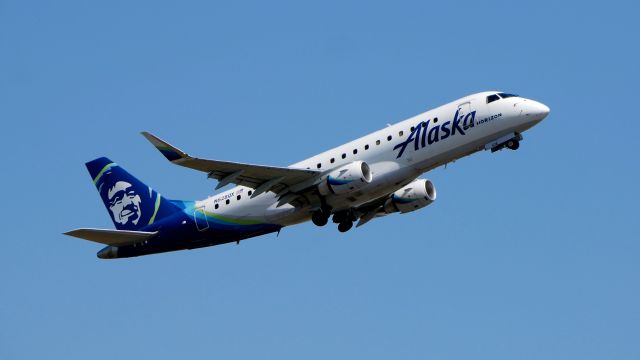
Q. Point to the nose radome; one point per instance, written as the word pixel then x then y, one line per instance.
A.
pixel 537 110
pixel 543 109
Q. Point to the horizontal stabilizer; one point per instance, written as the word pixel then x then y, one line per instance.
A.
pixel 112 237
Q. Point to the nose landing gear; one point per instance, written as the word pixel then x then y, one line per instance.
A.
pixel 512 144
pixel 511 141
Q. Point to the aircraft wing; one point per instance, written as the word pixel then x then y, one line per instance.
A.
pixel 112 237
pixel 262 178
pixel 371 210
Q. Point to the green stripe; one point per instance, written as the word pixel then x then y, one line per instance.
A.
pixel 232 220
pixel 155 211
pixel 105 168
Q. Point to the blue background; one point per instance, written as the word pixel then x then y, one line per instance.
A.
pixel 528 255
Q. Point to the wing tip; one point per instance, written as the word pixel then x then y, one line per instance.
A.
pixel 169 151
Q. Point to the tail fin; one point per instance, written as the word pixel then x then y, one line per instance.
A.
pixel 132 205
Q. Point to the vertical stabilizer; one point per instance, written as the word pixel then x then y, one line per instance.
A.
pixel 131 204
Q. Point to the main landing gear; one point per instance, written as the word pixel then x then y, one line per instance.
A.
pixel 344 219
pixel 345 226
pixel 320 217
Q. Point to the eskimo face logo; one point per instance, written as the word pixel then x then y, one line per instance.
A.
pixel 124 203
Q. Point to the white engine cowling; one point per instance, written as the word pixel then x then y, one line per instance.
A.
pixel 346 179
pixel 416 195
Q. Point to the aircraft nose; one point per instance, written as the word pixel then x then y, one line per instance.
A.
pixel 537 111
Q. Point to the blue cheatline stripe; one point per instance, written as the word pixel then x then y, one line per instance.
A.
pixel 404 200
pixel 105 168
pixel 334 181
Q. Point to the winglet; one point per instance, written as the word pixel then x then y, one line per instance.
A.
pixel 169 151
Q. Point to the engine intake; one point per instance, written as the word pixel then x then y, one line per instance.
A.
pixel 416 195
pixel 346 179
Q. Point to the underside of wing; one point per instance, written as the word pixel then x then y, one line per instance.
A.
pixel 112 237
pixel 262 178
pixel 371 210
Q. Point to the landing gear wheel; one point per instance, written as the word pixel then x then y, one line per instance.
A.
pixel 319 218
pixel 345 226
pixel 513 144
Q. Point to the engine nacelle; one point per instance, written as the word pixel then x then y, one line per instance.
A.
pixel 418 194
pixel 346 179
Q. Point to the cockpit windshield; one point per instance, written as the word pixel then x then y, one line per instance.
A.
pixel 496 97
pixel 492 98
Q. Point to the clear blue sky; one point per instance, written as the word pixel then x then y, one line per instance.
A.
pixel 531 254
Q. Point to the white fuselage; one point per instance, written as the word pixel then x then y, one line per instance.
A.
pixel 441 143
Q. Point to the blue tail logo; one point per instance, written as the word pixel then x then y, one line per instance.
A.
pixel 131 204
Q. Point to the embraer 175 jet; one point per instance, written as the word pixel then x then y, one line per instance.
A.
pixel 369 177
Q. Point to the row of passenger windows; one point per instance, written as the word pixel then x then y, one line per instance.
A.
pixel 366 147
pixel 228 201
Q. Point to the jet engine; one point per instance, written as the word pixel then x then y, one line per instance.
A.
pixel 416 195
pixel 346 179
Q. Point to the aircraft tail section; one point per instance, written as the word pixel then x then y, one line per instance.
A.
pixel 131 204
pixel 112 237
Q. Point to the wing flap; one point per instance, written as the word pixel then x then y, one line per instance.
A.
pixel 112 237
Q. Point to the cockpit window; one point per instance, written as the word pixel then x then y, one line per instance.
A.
pixel 492 98
pixel 498 96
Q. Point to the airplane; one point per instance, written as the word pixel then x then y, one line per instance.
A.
pixel 370 177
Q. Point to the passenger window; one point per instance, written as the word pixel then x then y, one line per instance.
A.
pixel 377 142
pixel 344 156
pixel 332 160
pixel 227 202
pixel 401 133
pixel 238 197
pixel 412 128
pixel 435 120
pixel 355 151
pixel 366 147
pixel 250 192
pixel 389 138
pixel 217 206
pixel 319 165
